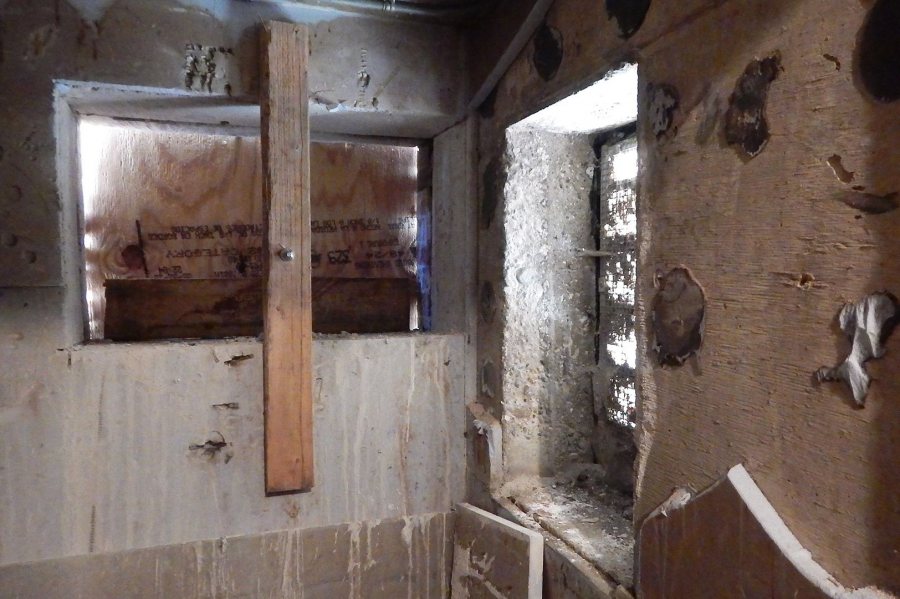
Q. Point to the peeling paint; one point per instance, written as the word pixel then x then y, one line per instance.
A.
pixel 235 360
pixel 663 102
pixel 868 323
pixel 548 51
pixel 746 126
pixel 629 14
pixel 678 314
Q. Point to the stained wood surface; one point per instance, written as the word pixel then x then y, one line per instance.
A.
pixel 141 309
pixel 727 542
pixel 287 286
pixel 777 253
pixel 138 310
pixel 399 558
pixel 362 305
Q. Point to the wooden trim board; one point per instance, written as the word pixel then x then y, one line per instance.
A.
pixel 284 129
pixel 729 541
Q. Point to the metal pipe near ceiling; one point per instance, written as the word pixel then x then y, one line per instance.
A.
pixel 401 8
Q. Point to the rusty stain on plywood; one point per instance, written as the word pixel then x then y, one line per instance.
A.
pixel 678 313
pixel 746 126
pixel 867 323
pixel 235 360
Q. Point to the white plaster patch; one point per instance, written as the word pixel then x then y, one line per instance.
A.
pixel 867 323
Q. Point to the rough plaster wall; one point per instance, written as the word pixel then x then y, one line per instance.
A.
pixel 363 73
pixel 749 230
pixel 104 448
pixel 550 290
pixel 391 559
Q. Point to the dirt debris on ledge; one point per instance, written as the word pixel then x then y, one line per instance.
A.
pixel 578 508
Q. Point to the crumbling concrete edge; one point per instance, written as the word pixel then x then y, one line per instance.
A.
pixel 600 584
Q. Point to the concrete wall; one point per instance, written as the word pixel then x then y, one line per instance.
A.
pixel 550 291
pixel 771 241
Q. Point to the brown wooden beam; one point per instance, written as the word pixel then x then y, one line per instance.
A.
pixel 288 298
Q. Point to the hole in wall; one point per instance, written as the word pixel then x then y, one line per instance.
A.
pixel 548 51
pixel 628 14
pixel 878 52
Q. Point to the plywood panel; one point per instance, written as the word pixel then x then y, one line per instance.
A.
pixel 403 558
pixel 362 305
pixel 777 254
pixel 287 319
pixel 119 419
pixel 730 530
pixel 494 557
pixel 138 310
pixel 165 203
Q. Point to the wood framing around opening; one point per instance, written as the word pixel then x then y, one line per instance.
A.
pixel 287 350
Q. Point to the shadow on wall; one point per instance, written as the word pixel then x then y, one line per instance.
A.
pixel 877 73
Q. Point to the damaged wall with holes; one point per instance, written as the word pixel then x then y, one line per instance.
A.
pixel 766 204
pixel 117 447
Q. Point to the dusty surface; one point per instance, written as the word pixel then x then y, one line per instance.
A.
pixel 584 513
pixel 390 559
pixel 203 47
pixel 82 443
pixel 776 249
pixel 548 348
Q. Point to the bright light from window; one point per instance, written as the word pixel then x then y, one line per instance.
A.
pixel 625 165
pixel 607 104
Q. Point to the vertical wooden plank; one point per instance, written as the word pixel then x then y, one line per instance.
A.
pixel 288 305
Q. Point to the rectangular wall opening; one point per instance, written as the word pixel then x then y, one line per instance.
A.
pixel 171 225
pixel 569 348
